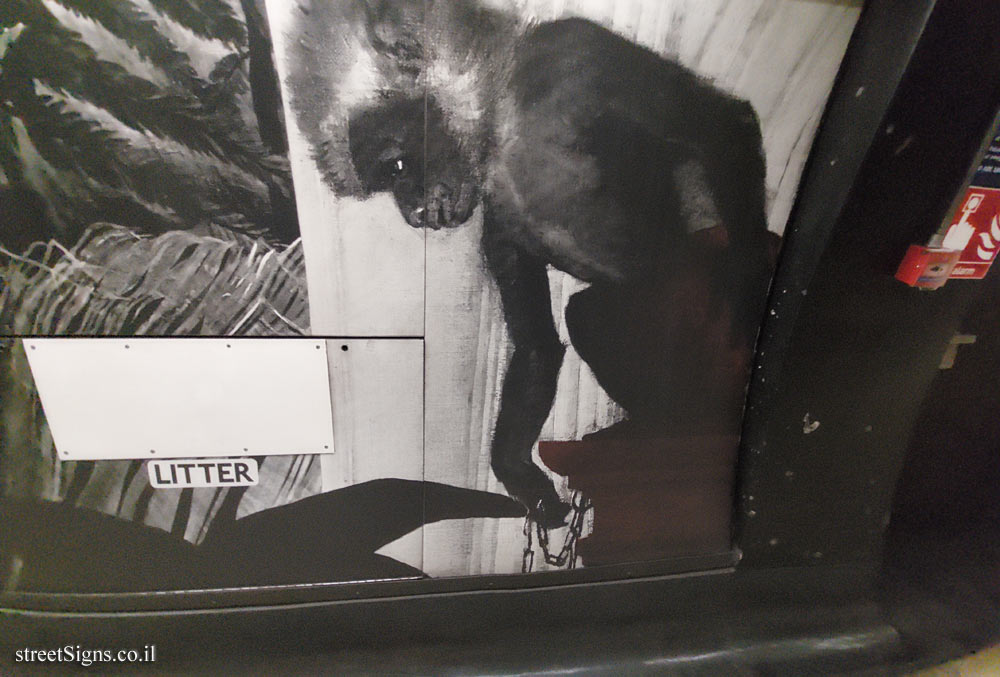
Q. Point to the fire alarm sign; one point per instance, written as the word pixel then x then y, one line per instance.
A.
pixel 976 233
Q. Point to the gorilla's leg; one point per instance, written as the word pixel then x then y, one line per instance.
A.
pixel 664 350
pixel 601 320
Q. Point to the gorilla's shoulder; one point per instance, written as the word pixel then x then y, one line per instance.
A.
pixel 581 57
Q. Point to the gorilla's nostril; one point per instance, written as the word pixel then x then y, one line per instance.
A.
pixel 417 217
pixel 466 201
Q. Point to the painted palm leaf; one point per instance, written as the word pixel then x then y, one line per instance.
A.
pixel 140 113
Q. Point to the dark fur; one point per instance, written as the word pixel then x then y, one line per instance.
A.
pixel 587 152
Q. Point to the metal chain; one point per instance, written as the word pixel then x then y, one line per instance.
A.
pixel 567 554
pixel 528 556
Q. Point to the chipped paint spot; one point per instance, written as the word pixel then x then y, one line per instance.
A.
pixel 14 574
pixel 809 425
pixel 8 36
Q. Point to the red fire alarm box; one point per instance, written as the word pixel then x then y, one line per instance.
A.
pixel 927 267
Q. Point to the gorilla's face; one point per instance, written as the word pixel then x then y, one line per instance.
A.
pixel 403 145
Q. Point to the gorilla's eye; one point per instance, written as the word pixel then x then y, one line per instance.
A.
pixel 391 164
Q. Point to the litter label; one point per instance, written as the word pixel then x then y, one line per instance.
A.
pixel 203 472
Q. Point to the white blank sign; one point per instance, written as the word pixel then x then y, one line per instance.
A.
pixel 183 397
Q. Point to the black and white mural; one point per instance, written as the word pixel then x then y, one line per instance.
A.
pixel 547 226
pixel 586 200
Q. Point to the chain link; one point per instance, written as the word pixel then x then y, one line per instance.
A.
pixel 567 554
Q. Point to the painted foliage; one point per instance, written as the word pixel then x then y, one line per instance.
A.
pixel 124 124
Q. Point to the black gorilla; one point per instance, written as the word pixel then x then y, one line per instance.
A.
pixel 586 152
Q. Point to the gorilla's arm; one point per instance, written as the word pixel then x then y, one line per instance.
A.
pixel 530 383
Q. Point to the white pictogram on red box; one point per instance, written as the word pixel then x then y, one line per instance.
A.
pixel 976 232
